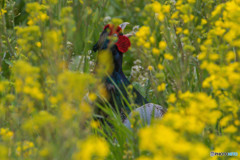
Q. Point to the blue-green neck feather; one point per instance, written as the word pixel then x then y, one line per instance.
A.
pixel 119 78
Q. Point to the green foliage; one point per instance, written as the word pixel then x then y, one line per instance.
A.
pixel 184 56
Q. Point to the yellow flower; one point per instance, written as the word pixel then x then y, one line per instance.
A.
pixel 161 16
pixel 191 1
pixel 141 42
pixel 94 124
pixel 175 15
pixel 217 10
pixel 211 136
pixel 166 8
pixel 26 148
pixel 43 17
pixel 155 51
pixel 237 122
pixel 160 67
pixel 186 31
pixel 203 21
pixel 206 83
pixel 150 68
pixel 3 11
pixel 143 32
pixel 214 56
pixel 238 138
pixel 168 56
pixel 53 100
pixel 172 98
pixel 230 129
pixel 147 45
pixel 225 120
pixel 178 30
pixel 38 44
pixel 142 36
pixel 208 42
pixel 186 18
pixel 202 55
pixel 219 31
pixel 161 87
pixel 6 134
pixel 36 93
pixel 92 96
pixel 156 6
pixel 162 45
pixel 92 147
pixel 152 39
pixel 230 56
pixel 30 22
pixel 199 40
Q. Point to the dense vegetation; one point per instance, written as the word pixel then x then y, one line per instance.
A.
pixel 185 56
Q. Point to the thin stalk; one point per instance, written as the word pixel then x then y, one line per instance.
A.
pixel 11 51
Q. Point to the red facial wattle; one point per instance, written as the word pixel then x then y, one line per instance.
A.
pixel 123 43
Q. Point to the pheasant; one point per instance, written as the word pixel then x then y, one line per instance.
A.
pixel 117 82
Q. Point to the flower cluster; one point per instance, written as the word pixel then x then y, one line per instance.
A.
pixel 88 150
pixel 209 43
pixel 6 135
pixel 43 105
pixel 184 56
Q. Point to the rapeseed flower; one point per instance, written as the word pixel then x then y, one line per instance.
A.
pixel 172 98
pixel 25 148
pixel 92 147
pixel 6 134
pixel 47 89
pixel 168 56
pixel 150 68
pixel 162 45
pixel 155 51
pixel 161 87
pixel 160 67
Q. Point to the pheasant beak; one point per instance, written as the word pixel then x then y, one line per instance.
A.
pixel 123 25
